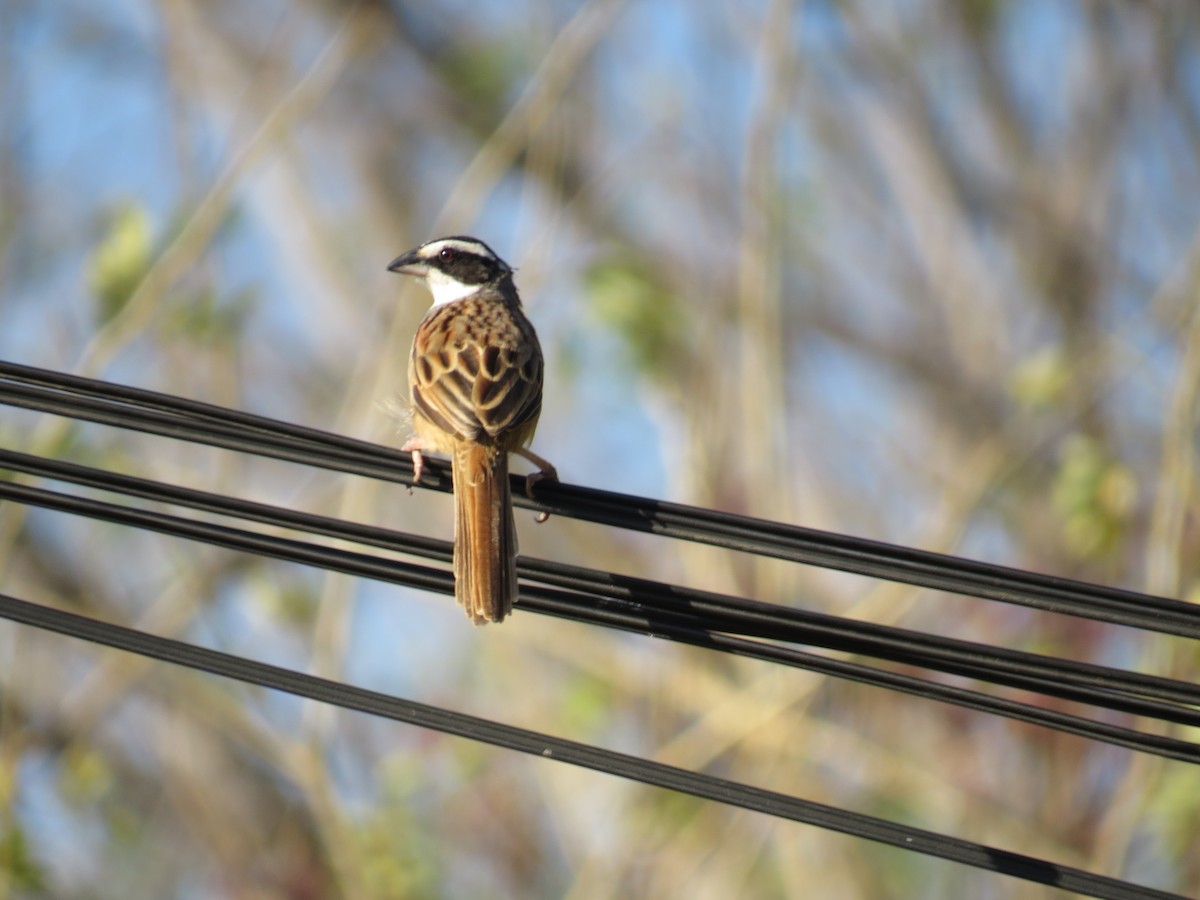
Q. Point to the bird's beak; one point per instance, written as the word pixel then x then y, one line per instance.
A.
pixel 409 264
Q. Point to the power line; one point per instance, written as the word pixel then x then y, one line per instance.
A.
pixel 736 625
pixel 700 618
pixel 162 414
pixel 645 771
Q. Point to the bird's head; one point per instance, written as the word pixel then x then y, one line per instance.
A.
pixel 453 267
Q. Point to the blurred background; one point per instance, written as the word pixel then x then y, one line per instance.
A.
pixel 919 271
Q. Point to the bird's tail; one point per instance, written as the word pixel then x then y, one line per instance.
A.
pixel 485 535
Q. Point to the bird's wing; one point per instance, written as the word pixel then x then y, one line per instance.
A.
pixel 475 372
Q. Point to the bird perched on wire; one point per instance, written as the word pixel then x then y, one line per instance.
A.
pixel 475 379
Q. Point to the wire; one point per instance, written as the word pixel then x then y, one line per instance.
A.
pixel 162 414
pixel 683 617
pixel 722 613
pixel 598 759
pixel 705 619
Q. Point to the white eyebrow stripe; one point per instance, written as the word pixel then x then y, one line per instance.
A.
pixel 472 247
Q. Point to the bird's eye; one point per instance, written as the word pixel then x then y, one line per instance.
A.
pixel 447 254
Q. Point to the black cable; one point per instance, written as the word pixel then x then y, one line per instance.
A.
pixel 629 615
pixel 178 406
pixel 735 615
pixel 696 784
pixel 162 414
pixel 385 465
pixel 689 618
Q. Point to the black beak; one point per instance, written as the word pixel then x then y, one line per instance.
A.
pixel 409 264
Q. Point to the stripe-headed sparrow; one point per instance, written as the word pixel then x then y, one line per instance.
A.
pixel 475 378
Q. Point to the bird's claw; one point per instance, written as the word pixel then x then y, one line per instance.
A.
pixel 413 446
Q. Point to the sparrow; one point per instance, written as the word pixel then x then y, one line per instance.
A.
pixel 475 383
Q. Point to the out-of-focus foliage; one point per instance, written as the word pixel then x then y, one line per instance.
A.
pixel 21 871
pixel 923 271
pixel 1041 380
pixel 121 259
pixel 625 299
pixel 1094 496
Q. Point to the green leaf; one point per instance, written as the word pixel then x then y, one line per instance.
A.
pixel 483 75
pixel 587 704
pixel 1041 380
pixel 1180 815
pixel 121 260
pixel 1094 494
pixel 84 775
pixel 18 864
pixel 627 299
pixel 210 319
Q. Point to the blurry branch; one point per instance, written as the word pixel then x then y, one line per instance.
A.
pixel 756 398
pixel 1013 237
pixel 1176 489
pixel 725 720
pixel 92 699
pixel 1175 496
pixel 997 104
pixel 719 715
pixel 769 744
pixel 13 112
pixel 183 251
pixel 196 234
pixel 176 733
pixel 1050 216
pixel 194 237
pixel 1166 555
pixel 113 676
pixel 552 79
pixel 1049 210
pixel 180 256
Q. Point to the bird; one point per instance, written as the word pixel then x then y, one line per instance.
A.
pixel 475 386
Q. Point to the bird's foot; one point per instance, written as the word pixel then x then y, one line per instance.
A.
pixel 414 446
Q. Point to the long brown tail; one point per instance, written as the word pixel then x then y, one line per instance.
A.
pixel 485 535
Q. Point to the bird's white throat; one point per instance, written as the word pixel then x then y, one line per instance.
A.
pixel 446 289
